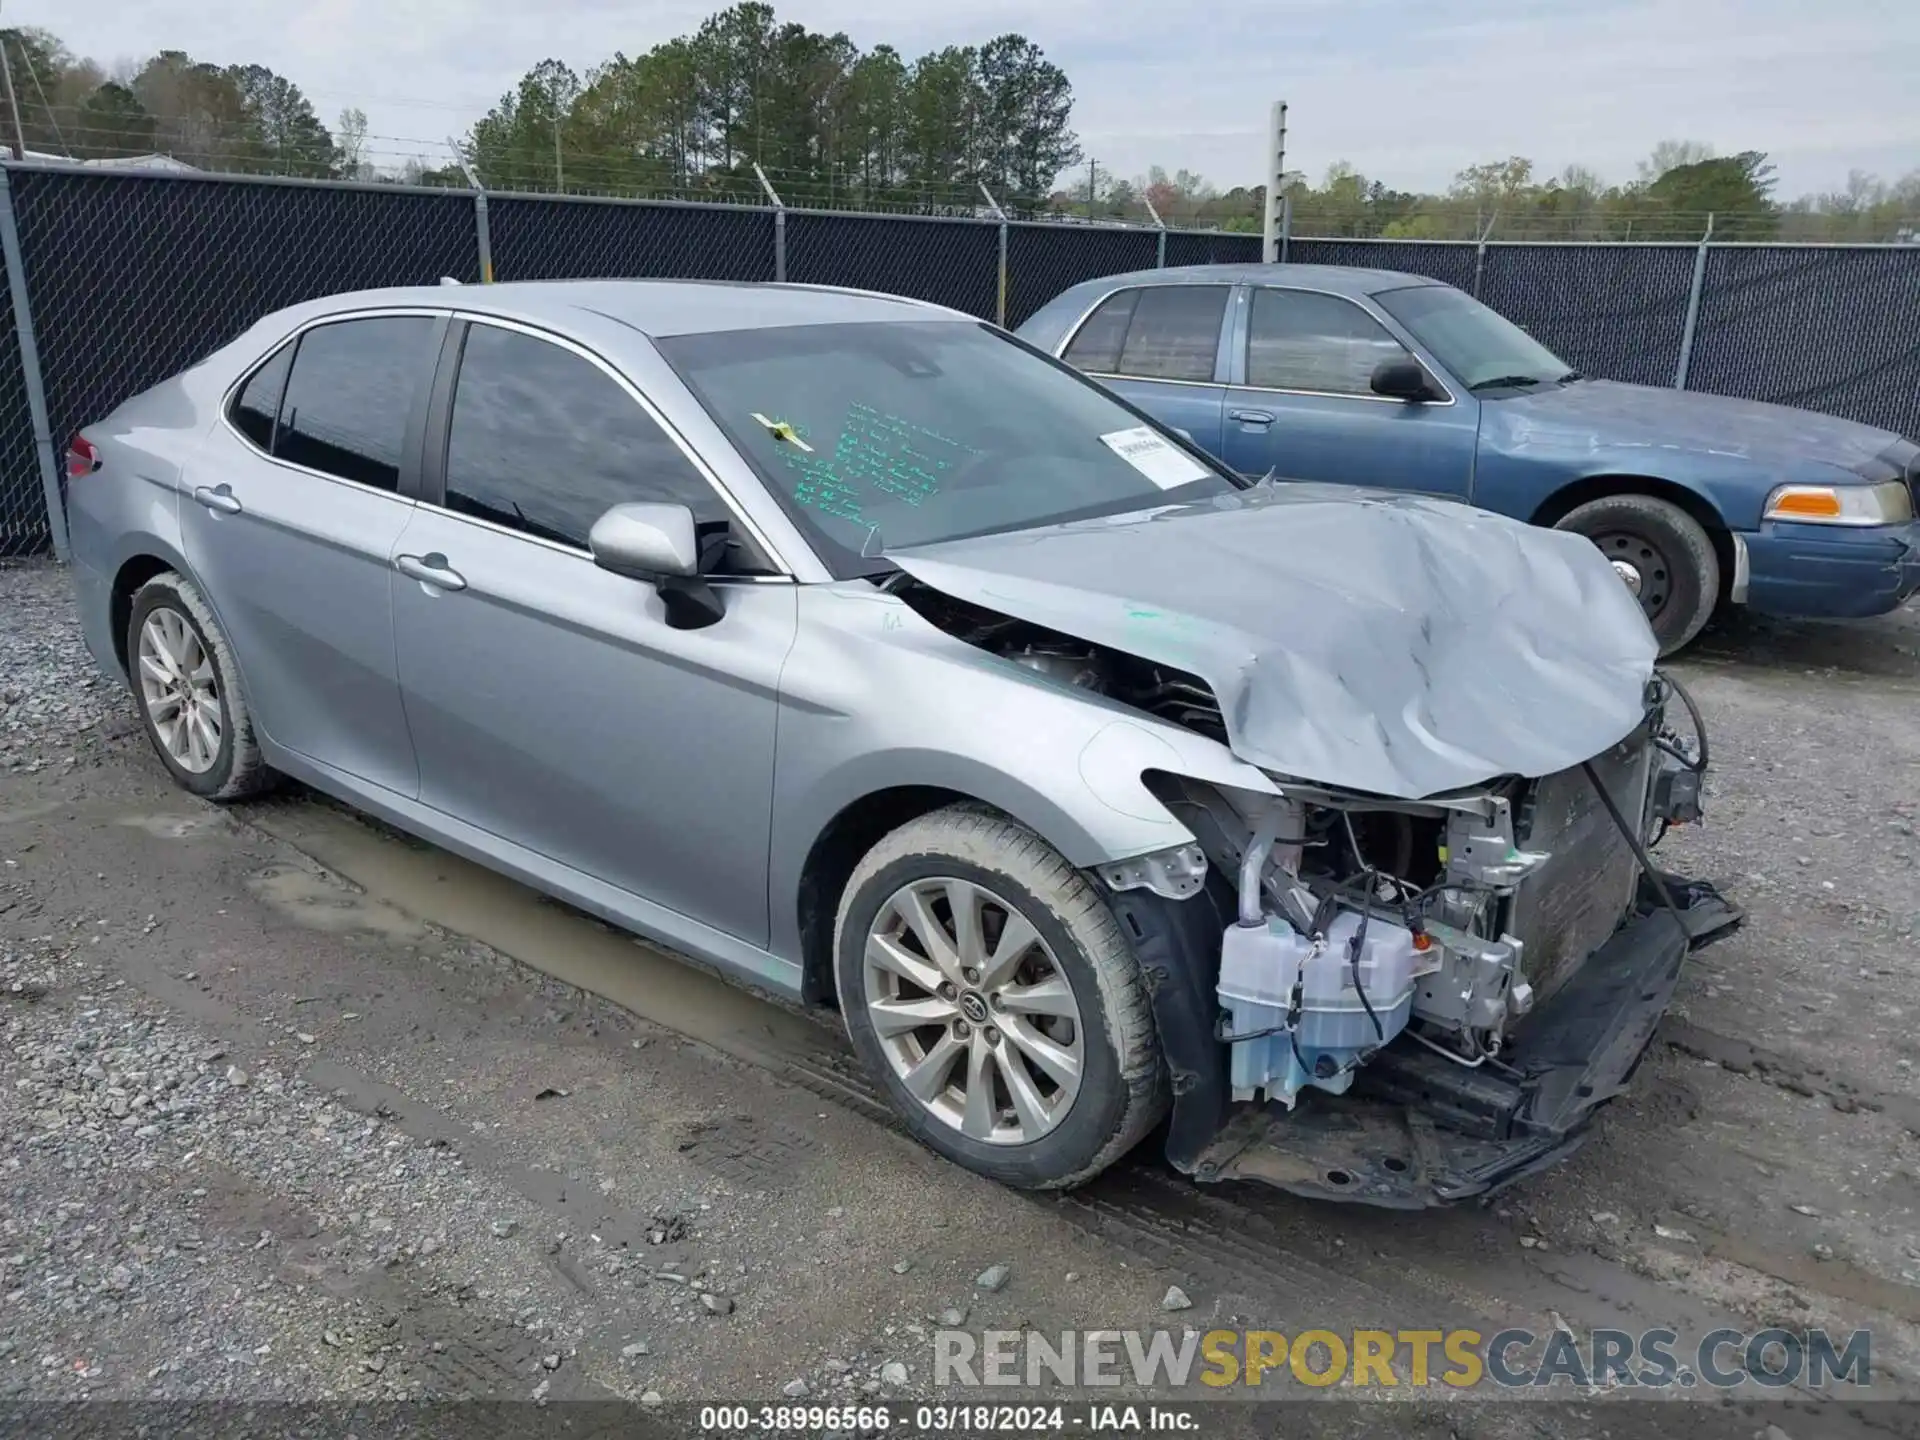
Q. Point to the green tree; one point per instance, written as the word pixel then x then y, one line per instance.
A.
pixel 1022 111
pixel 521 143
pixel 112 122
pixel 286 136
pixel 1736 190
pixel 199 114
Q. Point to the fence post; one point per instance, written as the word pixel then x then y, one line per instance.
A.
pixel 30 370
pixel 482 231
pixel 1480 252
pixel 779 226
pixel 484 234
pixel 1000 301
pixel 1693 308
pixel 1160 252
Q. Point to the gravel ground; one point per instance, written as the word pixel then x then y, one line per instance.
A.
pixel 291 1107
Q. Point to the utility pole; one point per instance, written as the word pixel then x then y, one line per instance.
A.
pixel 1276 181
pixel 559 170
pixel 13 107
pixel 1093 171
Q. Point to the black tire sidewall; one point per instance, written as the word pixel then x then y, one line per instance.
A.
pixel 164 595
pixel 1099 1109
pixel 1686 547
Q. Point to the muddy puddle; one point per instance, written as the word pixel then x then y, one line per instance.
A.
pixel 416 884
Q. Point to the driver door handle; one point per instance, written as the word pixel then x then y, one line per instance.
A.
pixel 430 570
pixel 1252 417
pixel 218 497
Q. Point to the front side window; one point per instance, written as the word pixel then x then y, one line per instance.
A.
pixel 1303 340
pixel 544 441
pixel 1482 347
pixel 1159 332
pixel 351 391
pixel 887 435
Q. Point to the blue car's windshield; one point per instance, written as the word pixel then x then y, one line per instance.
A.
pixel 887 435
pixel 1482 348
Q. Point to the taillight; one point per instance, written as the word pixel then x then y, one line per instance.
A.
pixel 83 457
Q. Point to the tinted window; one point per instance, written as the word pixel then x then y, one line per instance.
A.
pixel 1298 340
pixel 880 436
pixel 1478 345
pixel 544 441
pixel 351 391
pixel 258 402
pixel 1175 332
pixel 1097 345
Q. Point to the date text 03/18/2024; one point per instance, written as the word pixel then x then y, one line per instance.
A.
pixel 957 1419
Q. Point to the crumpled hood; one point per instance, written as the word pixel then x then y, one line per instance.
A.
pixel 1645 416
pixel 1394 644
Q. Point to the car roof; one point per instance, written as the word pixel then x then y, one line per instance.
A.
pixel 658 307
pixel 1342 279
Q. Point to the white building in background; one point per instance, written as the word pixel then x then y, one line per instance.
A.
pixel 118 162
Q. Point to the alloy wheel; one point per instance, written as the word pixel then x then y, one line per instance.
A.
pixel 973 1011
pixel 180 690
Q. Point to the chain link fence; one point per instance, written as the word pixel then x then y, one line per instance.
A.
pixel 950 262
pixel 23 503
pixel 1613 310
pixel 131 277
pixel 1043 260
pixel 539 237
pixel 1834 329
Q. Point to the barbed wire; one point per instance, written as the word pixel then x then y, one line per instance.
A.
pixel 239 148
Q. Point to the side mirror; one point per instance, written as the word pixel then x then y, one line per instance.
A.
pixel 1403 379
pixel 658 544
pixel 646 541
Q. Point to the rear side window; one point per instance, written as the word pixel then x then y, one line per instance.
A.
pixel 544 441
pixel 1097 346
pixel 350 394
pixel 1163 332
pixel 257 405
pixel 1302 340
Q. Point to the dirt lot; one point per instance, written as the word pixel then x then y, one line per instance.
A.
pixel 292 1107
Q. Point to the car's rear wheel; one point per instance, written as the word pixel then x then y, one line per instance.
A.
pixel 1663 556
pixel 989 989
pixel 187 688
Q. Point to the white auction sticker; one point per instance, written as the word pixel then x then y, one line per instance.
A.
pixel 1165 465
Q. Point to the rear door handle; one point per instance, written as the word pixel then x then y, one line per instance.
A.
pixel 430 570
pixel 218 497
pixel 1252 417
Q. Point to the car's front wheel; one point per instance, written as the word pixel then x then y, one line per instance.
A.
pixel 1661 554
pixel 989 989
pixel 187 688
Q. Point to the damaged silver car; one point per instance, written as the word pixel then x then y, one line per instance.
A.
pixel 859 650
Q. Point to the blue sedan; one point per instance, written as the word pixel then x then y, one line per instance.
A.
pixel 1374 377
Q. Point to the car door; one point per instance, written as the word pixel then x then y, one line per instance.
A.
pixel 1160 347
pixel 289 520
pixel 551 703
pixel 1301 401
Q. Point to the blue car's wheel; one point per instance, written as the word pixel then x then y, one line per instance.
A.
pixel 1662 554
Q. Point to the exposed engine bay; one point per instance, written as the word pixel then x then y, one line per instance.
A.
pixel 1393 949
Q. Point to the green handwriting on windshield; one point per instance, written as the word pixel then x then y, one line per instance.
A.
pixel 878 456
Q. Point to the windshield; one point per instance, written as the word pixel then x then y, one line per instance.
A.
pixel 1482 348
pixel 889 435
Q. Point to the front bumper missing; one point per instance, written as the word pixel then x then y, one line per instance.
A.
pixel 1418 1130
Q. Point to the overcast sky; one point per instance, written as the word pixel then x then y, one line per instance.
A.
pixel 1409 92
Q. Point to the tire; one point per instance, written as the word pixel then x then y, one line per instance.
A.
pixel 1672 554
pixel 232 768
pixel 1059 1138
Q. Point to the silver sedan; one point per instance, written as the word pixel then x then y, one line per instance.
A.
pixel 857 649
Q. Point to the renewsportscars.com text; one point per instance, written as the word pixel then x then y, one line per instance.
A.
pixel 1457 1359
